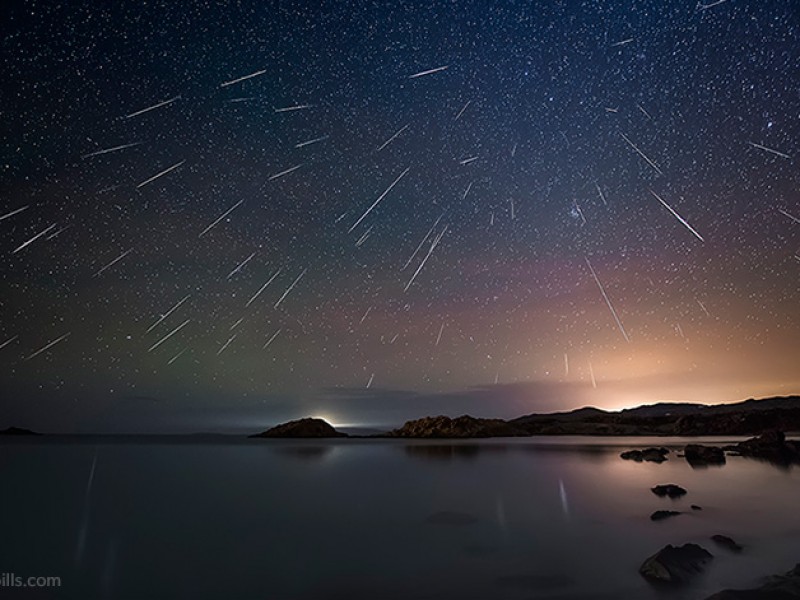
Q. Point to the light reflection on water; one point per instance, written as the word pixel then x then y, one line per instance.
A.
pixel 289 519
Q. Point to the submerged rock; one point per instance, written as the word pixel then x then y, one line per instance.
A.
pixel 657 455
pixel 696 507
pixel 674 564
pixel 660 515
pixel 726 542
pixel 699 455
pixel 776 587
pixel 302 428
pixel 668 489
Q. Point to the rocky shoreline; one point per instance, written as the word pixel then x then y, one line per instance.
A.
pixel 675 565
pixel 672 565
pixel 751 417
pixel 766 420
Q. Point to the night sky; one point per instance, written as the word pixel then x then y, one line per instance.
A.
pixel 588 203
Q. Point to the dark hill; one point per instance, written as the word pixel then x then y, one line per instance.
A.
pixel 663 409
pixel 742 418
pixel 302 428
pixel 587 412
pixel 17 431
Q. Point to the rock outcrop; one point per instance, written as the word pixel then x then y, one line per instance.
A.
pixel 657 455
pixel 674 564
pixel 660 515
pixel 668 489
pixel 302 428
pixel 460 427
pixel 726 542
pixel 771 446
pixel 699 455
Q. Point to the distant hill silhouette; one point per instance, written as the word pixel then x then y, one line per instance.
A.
pixel 17 431
pixel 741 418
pixel 751 417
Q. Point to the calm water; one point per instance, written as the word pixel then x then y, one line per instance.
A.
pixel 385 519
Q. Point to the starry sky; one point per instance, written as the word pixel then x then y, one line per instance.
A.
pixel 217 216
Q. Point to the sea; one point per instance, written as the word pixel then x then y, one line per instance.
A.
pixel 138 517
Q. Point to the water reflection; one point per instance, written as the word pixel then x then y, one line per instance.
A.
pixel 537 583
pixel 589 452
pixel 443 452
pixel 780 464
pixel 500 519
pixel 310 453
pixel 451 517
pixel 469 451
pixel 703 466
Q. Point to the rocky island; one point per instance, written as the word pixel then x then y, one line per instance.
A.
pixel 460 427
pixel 302 428
pixel 17 431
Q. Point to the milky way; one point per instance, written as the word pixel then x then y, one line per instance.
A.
pixel 425 202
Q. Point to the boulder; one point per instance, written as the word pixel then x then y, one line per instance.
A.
pixel 674 564
pixel 302 428
pixel 776 587
pixel 657 455
pixel 699 455
pixel 660 515
pixel 668 489
pixel 726 542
